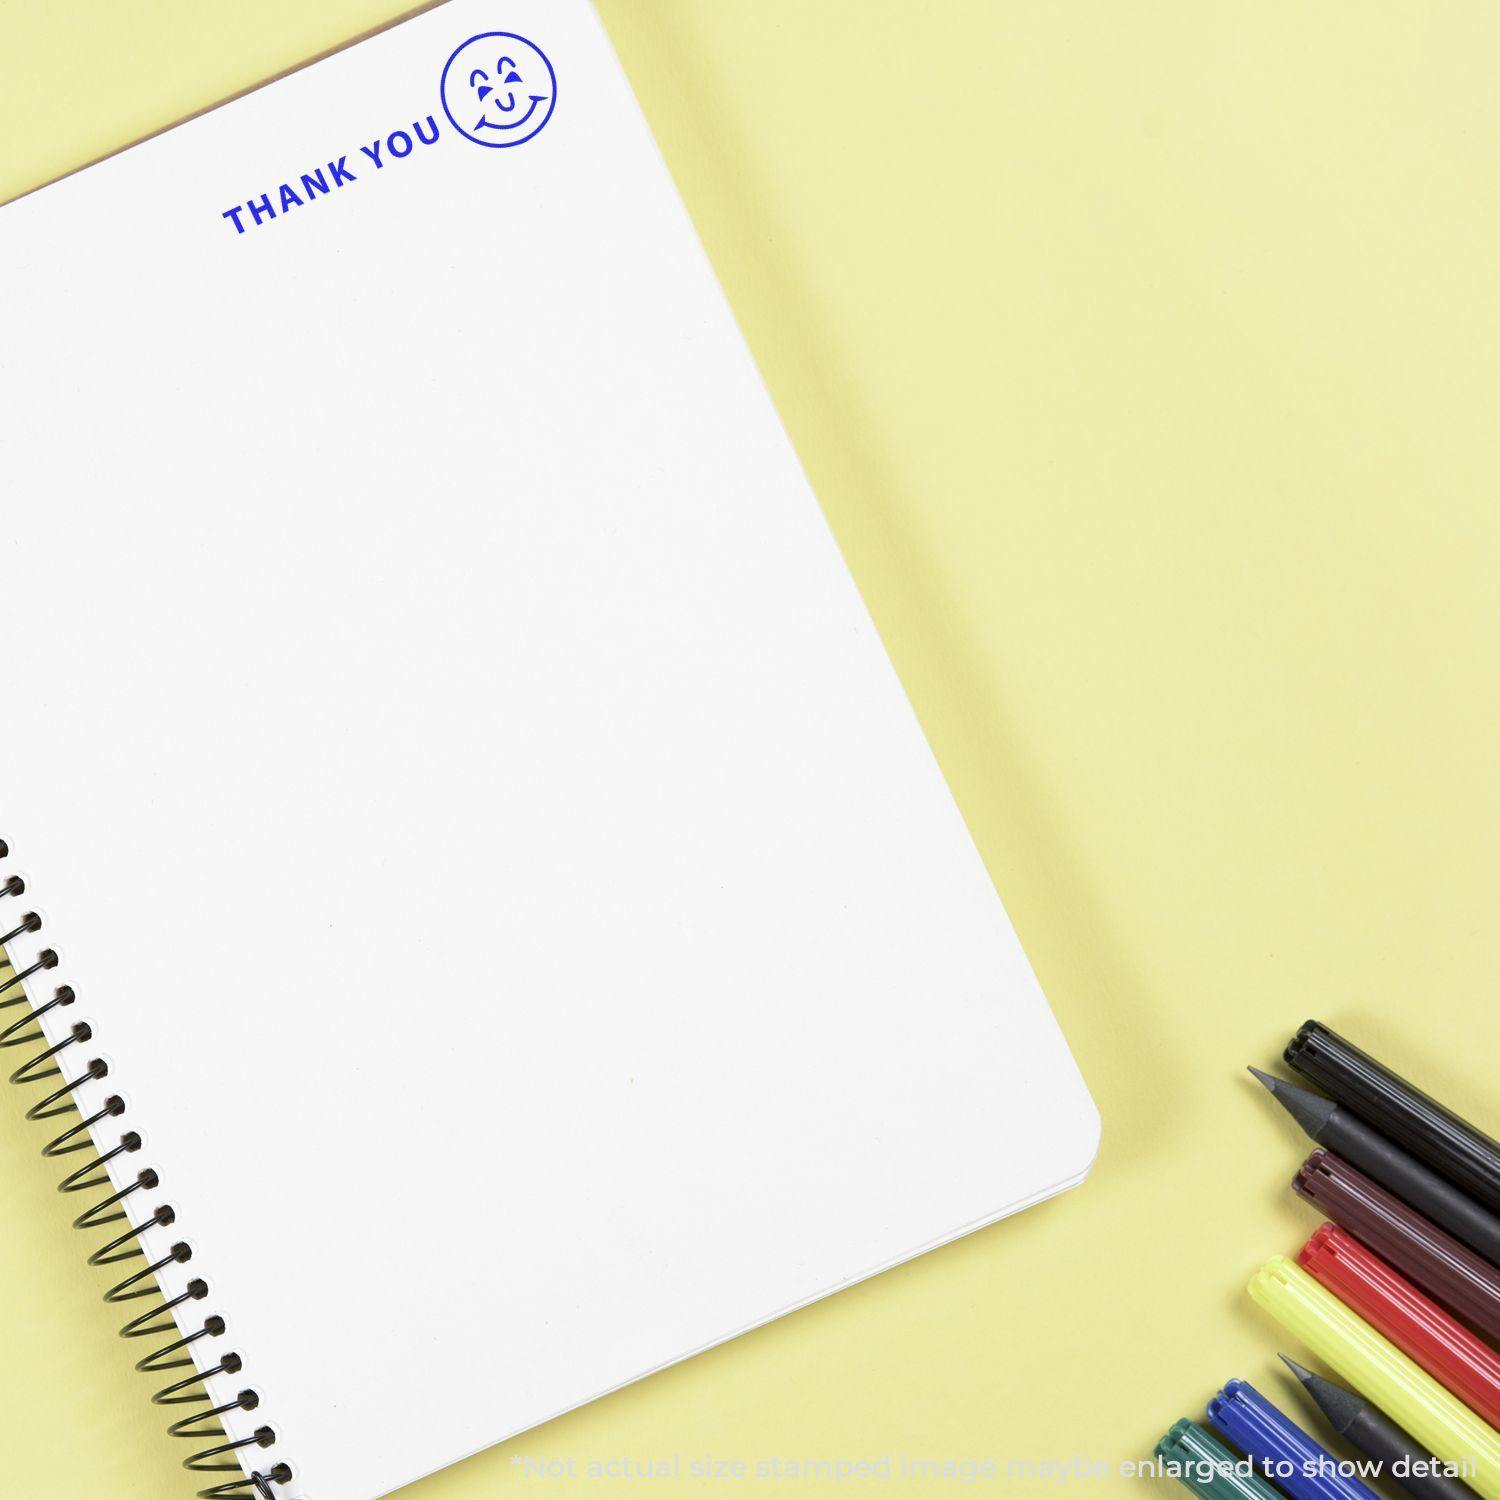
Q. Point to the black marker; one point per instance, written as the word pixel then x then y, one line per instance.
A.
pixel 1461 1152
pixel 1398 1171
pixel 1367 1428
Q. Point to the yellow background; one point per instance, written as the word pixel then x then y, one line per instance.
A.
pixel 1145 358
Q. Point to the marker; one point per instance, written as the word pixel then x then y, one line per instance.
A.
pixel 1450 1273
pixel 1404 1391
pixel 1415 1324
pixel 1282 1451
pixel 1202 1463
pixel 1364 1427
pixel 1461 1152
pixel 1398 1171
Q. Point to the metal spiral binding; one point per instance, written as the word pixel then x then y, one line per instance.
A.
pixel 200 1425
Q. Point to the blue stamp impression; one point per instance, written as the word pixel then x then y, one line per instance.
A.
pixel 499 89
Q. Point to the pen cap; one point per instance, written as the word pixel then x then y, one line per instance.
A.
pixel 1405 1392
pixel 1429 1130
pixel 1413 1322
pixel 1465 1283
pixel 1207 1467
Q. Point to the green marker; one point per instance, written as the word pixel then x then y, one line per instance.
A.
pixel 1207 1467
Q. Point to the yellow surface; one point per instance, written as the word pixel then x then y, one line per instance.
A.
pixel 1145 357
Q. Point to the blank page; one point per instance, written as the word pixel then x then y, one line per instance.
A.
pixel 502 870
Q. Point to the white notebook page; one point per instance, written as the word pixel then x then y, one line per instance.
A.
pixel 468 795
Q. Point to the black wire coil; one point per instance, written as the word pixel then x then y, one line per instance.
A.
pixel 203 1424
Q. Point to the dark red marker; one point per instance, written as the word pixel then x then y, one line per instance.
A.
pixel 1465 1283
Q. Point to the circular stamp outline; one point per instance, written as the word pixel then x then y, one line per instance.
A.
pixel 514 36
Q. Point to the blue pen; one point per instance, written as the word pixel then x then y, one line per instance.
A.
pixel 1282 1451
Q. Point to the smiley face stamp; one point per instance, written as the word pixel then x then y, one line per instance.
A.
pixel 499 89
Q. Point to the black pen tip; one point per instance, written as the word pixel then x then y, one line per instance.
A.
pixel 1302 1374
pixel 1266 1078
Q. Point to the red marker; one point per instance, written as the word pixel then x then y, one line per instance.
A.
pixel 1412 1322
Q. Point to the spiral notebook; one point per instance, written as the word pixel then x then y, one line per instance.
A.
pixel 481 882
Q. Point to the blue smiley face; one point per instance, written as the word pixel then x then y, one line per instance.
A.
pixel 499 89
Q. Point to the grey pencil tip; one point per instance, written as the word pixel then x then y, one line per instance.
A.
pixel 1311 1111
pixel 1341 1407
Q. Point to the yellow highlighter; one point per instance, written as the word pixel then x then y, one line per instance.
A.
pixel 1405 1392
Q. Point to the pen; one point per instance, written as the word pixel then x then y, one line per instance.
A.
pixel 1450 1273
pixel 1343 1132
pixel 1282 1451
pixel 1413 1323
pixel 1404 1391
pixel 1464 1154
pixel 1202 1463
